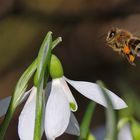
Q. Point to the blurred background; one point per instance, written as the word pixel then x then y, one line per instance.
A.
pixel 83 25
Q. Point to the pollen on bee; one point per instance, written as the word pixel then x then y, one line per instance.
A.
pixel 126 50
pixel 131 58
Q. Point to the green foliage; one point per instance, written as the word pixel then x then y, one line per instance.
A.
pixel 91 137
pixel 135 128
pixel 84 128
pixel 111 122
pixel 131 99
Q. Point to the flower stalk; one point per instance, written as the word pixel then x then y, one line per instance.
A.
pixel 84 128
pixel 43 64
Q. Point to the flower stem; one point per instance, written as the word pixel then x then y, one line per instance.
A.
pixel 111 120
pixel 39 112
pixel 44 56
pixel 84 128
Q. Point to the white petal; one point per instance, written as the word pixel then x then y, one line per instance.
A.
pixel 93 92
pixel 4 103
pixel 27 118
pixel 125 133
pixel 73 127
pixel 69 95
pixel 57 113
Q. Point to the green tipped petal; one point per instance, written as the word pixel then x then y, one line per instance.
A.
pixel 56 69
pixel 72 106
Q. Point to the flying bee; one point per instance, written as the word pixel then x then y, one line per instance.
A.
pixel 124 43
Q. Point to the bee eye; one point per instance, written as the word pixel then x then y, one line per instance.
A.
pixel 112 34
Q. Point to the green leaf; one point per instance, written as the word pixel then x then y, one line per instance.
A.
pixel 84 128
pixel 135 128
pixel 91 137
pixel 56 42
pixel 44 56
pixel 131 99
pixel 111 126
pixel 22 83
pixel 17 96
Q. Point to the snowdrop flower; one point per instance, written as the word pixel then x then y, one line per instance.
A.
pixel 58 117
pixel 61 101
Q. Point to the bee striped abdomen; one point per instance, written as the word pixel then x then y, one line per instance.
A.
pixel 133 43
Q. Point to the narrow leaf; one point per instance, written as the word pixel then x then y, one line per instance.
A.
pixel 56 42
pixel 111 126
pixel 86 121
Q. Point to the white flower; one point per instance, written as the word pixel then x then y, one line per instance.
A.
pixel 58 109
pixel 58 117
pixel 27 117
pixel 125 133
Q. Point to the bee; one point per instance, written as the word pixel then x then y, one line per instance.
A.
pixel 125 43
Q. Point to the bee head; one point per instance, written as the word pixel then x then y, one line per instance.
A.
pixel 111 35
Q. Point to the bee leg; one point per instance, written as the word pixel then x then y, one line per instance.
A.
pixel 126 50
pixel 130 58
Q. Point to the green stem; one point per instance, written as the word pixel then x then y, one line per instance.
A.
pixel 56 42
pixel 39 112
pixel 84 128
pixel 111 120
pixel 43 63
